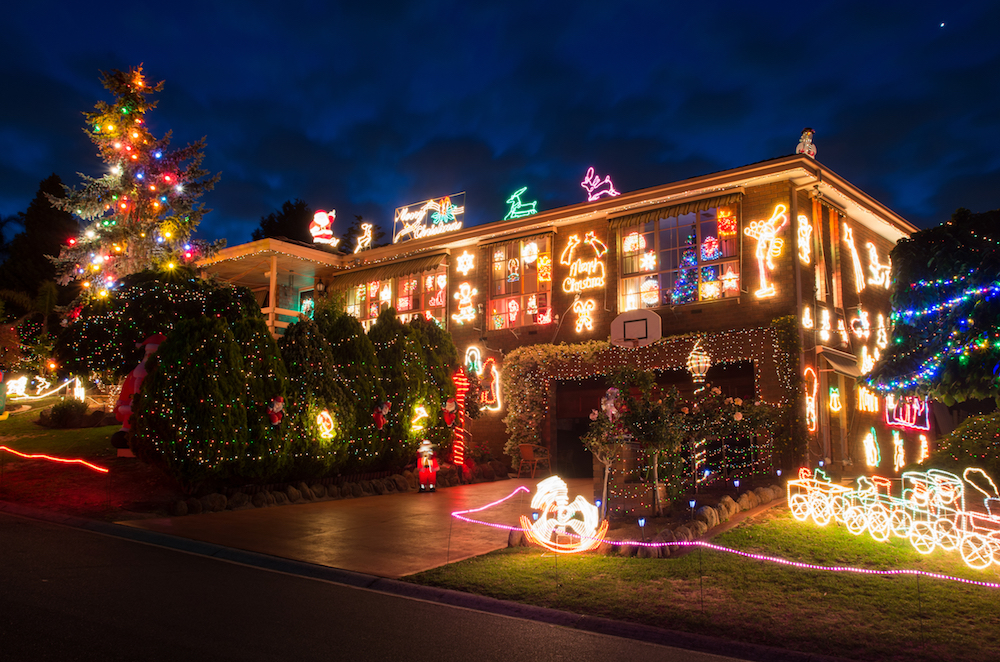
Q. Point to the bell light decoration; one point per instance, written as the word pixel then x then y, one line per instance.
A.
pixel 698 363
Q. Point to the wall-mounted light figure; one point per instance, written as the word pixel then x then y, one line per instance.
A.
pixel 698 363
pixel 466 262
pixel 867 401
pixel 768 247
pixel 925 452
pixel 824 325
pixel 881 333
pixel 466 308
pixel 859 273
pixel 898 451
pixel 812 390
pixel 807 318
pixel 805 231
pixel 873 457
pixel 835 404
pixel 881 273
pixel 584 310
pixel 860 326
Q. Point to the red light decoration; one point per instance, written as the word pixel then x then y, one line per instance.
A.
pixel 461 383
pixel 61 460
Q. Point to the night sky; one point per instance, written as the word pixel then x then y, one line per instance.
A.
pixel 365 106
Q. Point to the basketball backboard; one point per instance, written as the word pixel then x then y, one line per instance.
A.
pixel 636 328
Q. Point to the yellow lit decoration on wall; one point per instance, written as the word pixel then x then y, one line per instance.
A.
pixel 812 390
pixel 562 526
pixel 768 247
pixel 930 510
pixel 466 308
pixel 873 457
pixel 824 325
pixel 842 331
pixel 881 333
pixel 867 401
pixel 466 262
pixel 867 360
pixel 859 273
pixel 807 318
pixel 898 451
pixel 583 310
pixel 860 325
pixel 805 239
pixel 881 273
pixel 583 274
pixel 835 404
pixel 925 452
pixel 698 363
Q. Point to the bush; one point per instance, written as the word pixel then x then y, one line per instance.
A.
pixel 67 413
pixel 974 443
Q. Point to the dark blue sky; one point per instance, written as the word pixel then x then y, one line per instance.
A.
pixel 366 106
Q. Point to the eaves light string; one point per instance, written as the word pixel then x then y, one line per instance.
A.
pixel 461 515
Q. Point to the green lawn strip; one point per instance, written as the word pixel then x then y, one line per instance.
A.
pixel 841 614
pixel 21 432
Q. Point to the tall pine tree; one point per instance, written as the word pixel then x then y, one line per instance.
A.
pixel 142 212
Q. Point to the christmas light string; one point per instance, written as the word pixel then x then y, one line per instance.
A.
pixel 462 516
pixel 50 458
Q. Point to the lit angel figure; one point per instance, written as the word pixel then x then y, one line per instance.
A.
pixel 466 262
pixel 597 187
pixel 805 239
pixel 881 273
pixel 769 246
pixel 807 317
pixel 824 324
pixel 365 240
pixel 583 310
pixel 466 309
pixel 859 273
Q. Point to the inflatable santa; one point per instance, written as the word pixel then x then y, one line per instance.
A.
pixel 123 408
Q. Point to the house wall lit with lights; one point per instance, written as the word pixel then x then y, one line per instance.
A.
pixel 720 256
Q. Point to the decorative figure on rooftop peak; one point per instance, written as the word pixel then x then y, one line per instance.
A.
pixel 596 187
pixel 520 209
pixel 805 145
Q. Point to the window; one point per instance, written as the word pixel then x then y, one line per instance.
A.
pixel 412 295
pixel 681 259
pixel 521 283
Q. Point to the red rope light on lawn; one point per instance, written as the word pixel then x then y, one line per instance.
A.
pixel 40 456
pixel 460 514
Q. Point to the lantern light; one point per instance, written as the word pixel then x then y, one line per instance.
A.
pixel 698 363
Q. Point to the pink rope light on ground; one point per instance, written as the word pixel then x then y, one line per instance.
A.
pixel 461 515
pixel 40 456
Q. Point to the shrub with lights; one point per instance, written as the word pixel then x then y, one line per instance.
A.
pixel 976 442
pixel 142 211
pixel 190 416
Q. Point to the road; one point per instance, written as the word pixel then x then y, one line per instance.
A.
pixel 72 594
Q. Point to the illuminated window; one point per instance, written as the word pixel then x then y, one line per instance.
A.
pixel 413 295
pixel 520 283
pixel 680 259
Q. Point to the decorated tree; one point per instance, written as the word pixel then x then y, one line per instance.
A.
pixel 102 334
pixel 190 415
pixel 356 367
pixel 291 222
pixel 142 212
pixel 266 379
pixel 317 425
pixel 945 338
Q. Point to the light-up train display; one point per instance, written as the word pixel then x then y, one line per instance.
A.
pixel 930 510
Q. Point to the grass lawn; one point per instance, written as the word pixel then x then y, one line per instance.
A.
pixel 130 490
pixel 723 595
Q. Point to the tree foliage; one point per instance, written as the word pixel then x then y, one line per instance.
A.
pixel 290 222
pixel 945 340
pixel 142 212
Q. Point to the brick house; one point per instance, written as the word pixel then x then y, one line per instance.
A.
pixel 716 257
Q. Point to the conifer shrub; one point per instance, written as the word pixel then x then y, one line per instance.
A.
pixel 974 443
pixel 190 416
